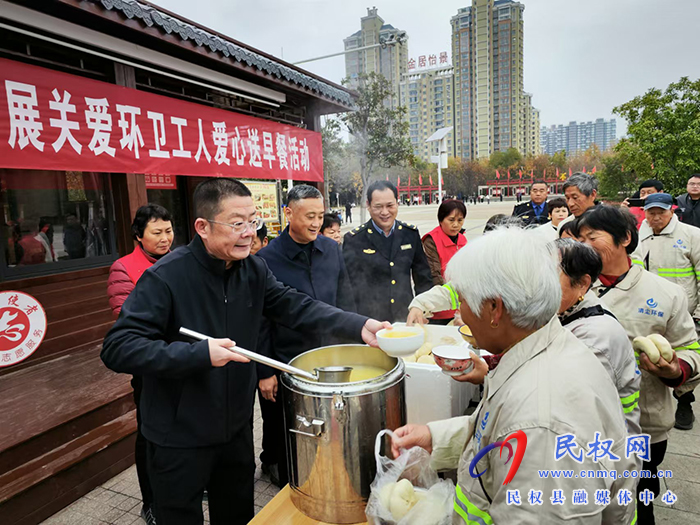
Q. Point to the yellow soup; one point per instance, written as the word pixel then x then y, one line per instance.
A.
pixel 365 372
pixel 396 334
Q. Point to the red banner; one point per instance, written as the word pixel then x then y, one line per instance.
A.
pixel 55 121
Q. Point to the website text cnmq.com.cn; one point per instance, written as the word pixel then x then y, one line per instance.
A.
pixel 598 449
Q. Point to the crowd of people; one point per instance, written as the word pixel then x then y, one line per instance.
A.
pixel 559 320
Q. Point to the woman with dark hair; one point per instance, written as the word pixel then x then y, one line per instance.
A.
pixel 585 316
pixel 331 227
pixel 558 211
pixel 153 230
pixel 442 243
pixel 566 231
pixel 644 304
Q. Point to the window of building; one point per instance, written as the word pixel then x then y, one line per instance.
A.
pixel 175 201
pixel 54 221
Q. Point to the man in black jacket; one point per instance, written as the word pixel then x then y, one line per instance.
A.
pixel 688 202
pixel 535 211
pixel 314 265
pixel 383 256
pixel 197 398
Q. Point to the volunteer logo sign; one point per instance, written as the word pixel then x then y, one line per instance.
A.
pixel 22 327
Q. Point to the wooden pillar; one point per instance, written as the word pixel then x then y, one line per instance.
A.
pixel 313 123
pixel 130 188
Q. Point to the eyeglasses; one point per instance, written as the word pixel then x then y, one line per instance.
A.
pixel 241 227
pixel 378 208
pixel 694 184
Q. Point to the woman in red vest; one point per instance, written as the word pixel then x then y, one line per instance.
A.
pixel 153 230
pixel 442 243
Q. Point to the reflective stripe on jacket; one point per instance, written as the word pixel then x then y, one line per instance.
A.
pixel 438 298
pixel 674 254
pixel 644 304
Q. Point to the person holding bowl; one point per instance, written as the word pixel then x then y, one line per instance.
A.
pixel 548 389
pixel 645 304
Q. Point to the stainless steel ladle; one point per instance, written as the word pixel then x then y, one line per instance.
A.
pixel 324 374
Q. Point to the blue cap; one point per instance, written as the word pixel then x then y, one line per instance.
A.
pixel 658 200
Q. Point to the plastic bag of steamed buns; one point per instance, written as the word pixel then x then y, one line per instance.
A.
pixel 407 491
pixel 424 354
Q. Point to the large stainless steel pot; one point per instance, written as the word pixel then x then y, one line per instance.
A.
pixel 331 430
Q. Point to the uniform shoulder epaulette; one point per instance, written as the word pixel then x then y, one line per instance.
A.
pixel 411 226
pixel 358 229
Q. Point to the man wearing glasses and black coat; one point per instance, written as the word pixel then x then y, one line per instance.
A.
pixel 381 257
pixel 197 398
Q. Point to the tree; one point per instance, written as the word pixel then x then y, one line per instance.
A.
pixel 664 128
pixel 333 155
pixel 615 182
pixel 463 177
pixel 504 160
pixel 560 161
pixel 379 133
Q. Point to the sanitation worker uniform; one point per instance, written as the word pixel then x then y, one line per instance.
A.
pixel 547 385
pixel 674 254
pixel 593 326
pixel 646 304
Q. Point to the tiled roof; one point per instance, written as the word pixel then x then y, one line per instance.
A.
pixel 153 17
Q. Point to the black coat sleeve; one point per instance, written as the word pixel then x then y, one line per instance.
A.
pixel 137 344
pixel 265 342
pixel 300 312
pixel 422 278
pixel 346 299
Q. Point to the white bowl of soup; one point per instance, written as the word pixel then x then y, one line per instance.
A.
pixel 401 340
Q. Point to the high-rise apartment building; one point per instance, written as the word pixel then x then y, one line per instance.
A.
pixel 462 65
pixel 487 55
pixel 531 127
pixel 428 96
pixel 390 61
pixel 576 137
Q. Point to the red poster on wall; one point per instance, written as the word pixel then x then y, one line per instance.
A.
pixel 56 121
pixel 161 182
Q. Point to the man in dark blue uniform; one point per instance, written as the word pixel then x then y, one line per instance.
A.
pixel 382 256
pixel 313 265
pixel 535 211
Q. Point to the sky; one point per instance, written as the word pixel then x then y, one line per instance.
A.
pixel 582 57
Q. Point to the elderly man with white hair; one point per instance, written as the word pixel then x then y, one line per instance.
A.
pixel 549 393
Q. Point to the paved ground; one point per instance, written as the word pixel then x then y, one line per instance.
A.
pixel 118 501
